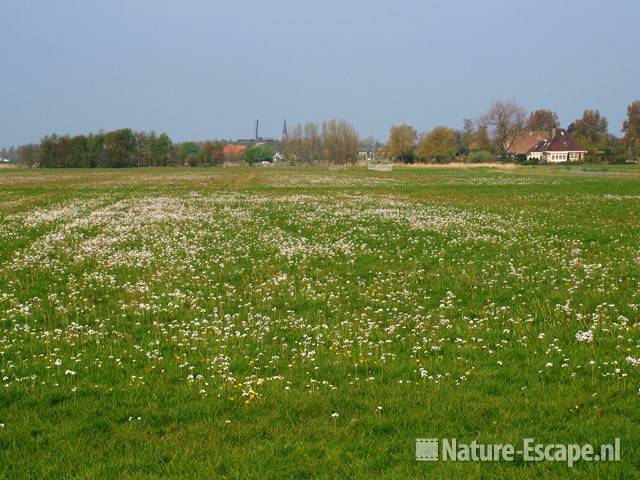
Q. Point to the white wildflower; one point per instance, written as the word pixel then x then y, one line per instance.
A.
pixel 634 362
pixel 586 336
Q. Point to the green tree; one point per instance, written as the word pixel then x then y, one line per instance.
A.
pixel 47 153
pixel 439 145
pixel 188 153
pixel 144 149
pixel 78 153
pixel 543 121
pixel 631 128
pixel 480 141
pixel 481 156
pixel 464 137
pixel 119 148
pixel 592 126
pixel 95 151
pixel 160 150
pixel 401 143
pixel 211 153
pixel 259 153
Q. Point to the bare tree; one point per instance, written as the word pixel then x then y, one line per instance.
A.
pixel 340 142
pixel 336 142
pixel 292 145
pixel 28 155
pixel 312 143
pixel 505 119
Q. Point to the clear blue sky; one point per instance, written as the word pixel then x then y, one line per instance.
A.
pixel 201 69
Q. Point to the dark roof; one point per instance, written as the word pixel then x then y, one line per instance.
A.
pixel 538 147
pixel 563 142
pixel 560 142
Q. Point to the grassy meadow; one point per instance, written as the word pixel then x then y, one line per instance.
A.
pixel 309 323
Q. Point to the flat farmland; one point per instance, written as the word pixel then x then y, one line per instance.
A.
pixel 311 323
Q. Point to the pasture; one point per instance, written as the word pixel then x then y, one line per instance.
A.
pixel 307 323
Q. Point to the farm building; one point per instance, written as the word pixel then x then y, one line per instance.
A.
pixel 233 152
pixel 562 147
pixel 522 142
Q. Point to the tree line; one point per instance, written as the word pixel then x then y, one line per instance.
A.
pixel 492 136
pixel 333 142
pixel 336 142
pixel 116 149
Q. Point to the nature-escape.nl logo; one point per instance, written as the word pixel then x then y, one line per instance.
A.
pixel 431 449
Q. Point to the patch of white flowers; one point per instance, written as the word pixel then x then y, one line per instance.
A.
pixel 586 336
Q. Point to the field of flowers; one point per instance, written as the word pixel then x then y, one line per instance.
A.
pixel 307 323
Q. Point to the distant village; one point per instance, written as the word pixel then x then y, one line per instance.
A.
pixel 506 133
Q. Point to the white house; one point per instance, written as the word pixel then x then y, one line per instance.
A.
pixel 562 147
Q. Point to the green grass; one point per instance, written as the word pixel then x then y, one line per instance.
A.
pixel 209 323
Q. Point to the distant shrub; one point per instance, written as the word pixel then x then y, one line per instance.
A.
pixel 259 153
pixel 481 157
